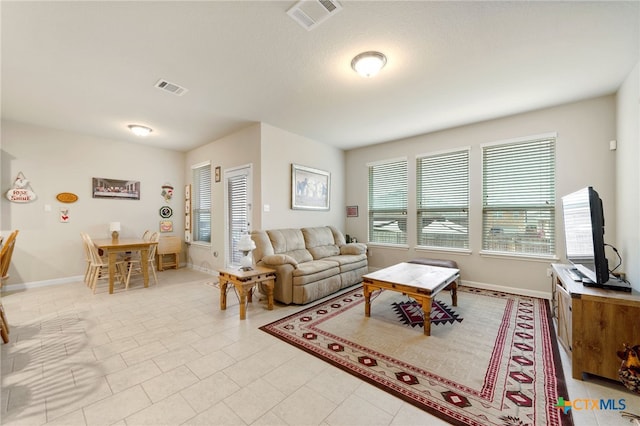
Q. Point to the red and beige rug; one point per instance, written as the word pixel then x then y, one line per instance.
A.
pixel 491 360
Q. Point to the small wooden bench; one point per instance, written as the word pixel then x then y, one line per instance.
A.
pixel 444 263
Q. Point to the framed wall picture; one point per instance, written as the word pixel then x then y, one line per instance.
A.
pixel 116 188
pixel 166 226
pixel 310 188
pixel 187 192
pixel 352 211
pixel 218 174
pixel 187 222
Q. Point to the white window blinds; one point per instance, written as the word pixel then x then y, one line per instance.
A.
pixel 443 200
pixel 519 197
pixel 201 208
pixel 238 200
pixel 388 202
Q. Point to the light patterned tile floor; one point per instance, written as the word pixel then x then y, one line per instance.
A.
pixel 168 355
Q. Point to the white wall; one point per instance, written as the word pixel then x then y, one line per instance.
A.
pixel 270 151
pixel 584 130
pixel 628 176
pixel 279 150
pixel 56 161
pixel 232 151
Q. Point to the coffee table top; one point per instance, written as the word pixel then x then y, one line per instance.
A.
pixel 427 277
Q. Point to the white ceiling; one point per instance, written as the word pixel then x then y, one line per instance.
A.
pixel 90 67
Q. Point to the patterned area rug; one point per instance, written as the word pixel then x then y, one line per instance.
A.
pixel 410 313
pixel 500 366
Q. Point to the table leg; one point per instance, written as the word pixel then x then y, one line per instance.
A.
pixel 270 284
pixel 243 301
pixel 223 294
pixel 250 294
pixel 144 253
pixel 454 293
pixel 112 269
pixel 426 311
pixel 367 300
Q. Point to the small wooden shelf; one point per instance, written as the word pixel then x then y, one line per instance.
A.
pixel 168 253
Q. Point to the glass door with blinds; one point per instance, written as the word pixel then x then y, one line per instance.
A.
pixel 238 201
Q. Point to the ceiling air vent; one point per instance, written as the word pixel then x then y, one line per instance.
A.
pixel 171 87
pixel 311 13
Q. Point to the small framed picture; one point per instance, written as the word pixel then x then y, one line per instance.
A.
pixel 187 192
pixel 187 222
pixel 218 174
pixel 352 211
pixel 187 206
pixel 166 226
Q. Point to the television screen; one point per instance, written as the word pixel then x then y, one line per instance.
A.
pixel 584 235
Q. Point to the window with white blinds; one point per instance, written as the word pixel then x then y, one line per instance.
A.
pixel 201 207
pixel 443 200
pixel 238 196
pixel 518 208
pixel 388 202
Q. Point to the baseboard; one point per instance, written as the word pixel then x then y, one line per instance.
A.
pixel 493 287
pixel 513 290
pixel 66 280
pixel 36 284
pixel 201 269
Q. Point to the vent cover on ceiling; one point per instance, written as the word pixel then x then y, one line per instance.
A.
pixel 311 13
pixel 171 87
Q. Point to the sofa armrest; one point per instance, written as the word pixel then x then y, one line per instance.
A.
pixel 279 259
pixel 353 248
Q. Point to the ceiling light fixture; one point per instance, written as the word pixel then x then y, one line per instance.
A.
pixel 367 64
pixel 139 130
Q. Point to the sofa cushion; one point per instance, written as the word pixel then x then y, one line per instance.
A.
pixel 338 237
pixel 348 259
pixel 353 248
pixel 320 242
pixel 263 245
pixel 289 242
pixel 315 270
pixel 279 259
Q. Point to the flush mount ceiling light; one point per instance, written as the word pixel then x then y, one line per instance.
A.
pixel 367 64
pixel 139 130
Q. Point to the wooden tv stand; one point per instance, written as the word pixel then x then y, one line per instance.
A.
pixel 593 324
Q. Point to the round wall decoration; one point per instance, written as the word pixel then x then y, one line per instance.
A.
pixel 67 197
pixel 166 212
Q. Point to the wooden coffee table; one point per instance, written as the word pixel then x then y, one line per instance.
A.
pixel 244 283
pixel 421 282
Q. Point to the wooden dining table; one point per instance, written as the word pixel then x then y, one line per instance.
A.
pixel 112 247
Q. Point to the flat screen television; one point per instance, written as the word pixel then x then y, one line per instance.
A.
pixel 584 235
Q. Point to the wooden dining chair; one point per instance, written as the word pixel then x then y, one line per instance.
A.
pixel 99 267
pixel 5 261
pixel 134 266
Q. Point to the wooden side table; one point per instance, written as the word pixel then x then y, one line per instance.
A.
pixel 244 283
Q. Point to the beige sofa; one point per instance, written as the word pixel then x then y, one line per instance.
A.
pixel 310 263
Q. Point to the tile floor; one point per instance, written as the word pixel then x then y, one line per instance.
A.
pixel 168 355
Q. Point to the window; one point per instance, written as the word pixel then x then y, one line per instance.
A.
pixel 201 199
pixel 443 200
pixel 238 200
pixel 388 202
pixel 518 211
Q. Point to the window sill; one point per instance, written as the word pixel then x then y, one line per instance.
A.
pixel 519 256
